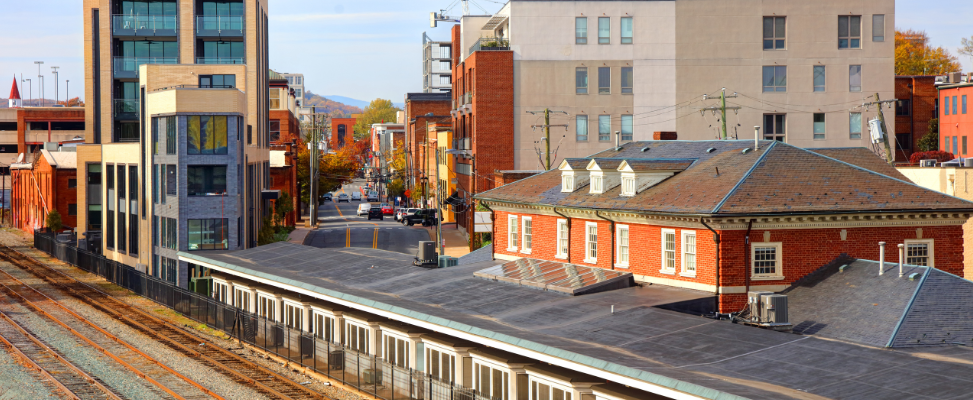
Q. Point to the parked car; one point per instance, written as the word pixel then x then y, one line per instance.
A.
pixel 356 196
pixel 387 209
pixel 376 213
pixel 327 197
pixel 363 208
pixel 343 197
pixel 406 213
pixel 400 212
pixel 372 196
pixel 425 216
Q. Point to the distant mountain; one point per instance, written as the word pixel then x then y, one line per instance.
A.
pixel 358 103
pixel 330 104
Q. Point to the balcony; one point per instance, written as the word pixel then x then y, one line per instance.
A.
pixel 219 26
pixel 490 43
pixel 128 67
pixel 126 109
pixel 462 100
pixel 144 25
pixel 219 60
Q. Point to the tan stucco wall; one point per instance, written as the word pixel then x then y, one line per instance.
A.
pixel 120 153
pixel 957 182
pixel 720 45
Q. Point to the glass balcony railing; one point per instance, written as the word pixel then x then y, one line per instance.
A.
pixel 219 60
pixel 219 25
pixel 144 25
pixel 126 109
pixel 128 67
pixel 490 43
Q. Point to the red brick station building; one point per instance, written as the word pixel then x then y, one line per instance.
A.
pixel 723 216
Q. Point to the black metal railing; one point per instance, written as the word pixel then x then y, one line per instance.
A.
pixel 368 373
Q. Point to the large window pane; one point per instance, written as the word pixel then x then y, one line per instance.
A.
pixel 855 125
pixel 855 78
pixel 604 128
pixel 627 127
pixel 206 135
pixel 581 121
pixel 208 234
pixel 775 79
pixel 878 28
pixel 581 80
pixel 819 126
pixel 194 138
pixel 604 80
pixel 627 80
pixel 604 30
pixel 819 78
pixel 581 30
pixel 206 180
pixel 626 30
pixel 780 78
pixel 774 34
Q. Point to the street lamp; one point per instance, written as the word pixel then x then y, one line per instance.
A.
pixel 30 89
pixel 67 92
pixel 40 85
pixel 56 96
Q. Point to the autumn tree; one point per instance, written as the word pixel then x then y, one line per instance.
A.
pixel 396 186
pixel 334 170
pixel 914 55
pixel 966 47
pixel 378 111
pixel 336 114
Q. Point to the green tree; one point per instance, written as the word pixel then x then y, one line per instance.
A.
pixel 914 55
pixel 930 141
pixel 282 206
pixel 378 110
pixel 334 170
pixel 266 233
pixel 54 221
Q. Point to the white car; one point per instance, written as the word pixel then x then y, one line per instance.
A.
pixel 363 208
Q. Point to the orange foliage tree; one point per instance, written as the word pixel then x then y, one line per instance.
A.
pixel 914 55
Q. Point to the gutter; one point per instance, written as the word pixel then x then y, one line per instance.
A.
pixel 612 260
pixel 716 256
pixel 746 258
pixel 569 232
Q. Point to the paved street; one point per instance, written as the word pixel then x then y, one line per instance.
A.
pixel 340 226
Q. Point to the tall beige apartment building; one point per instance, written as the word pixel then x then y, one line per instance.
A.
pixel 176 153
pixel 800 70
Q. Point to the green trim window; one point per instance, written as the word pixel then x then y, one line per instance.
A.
pixel 208 234
pixel 206 134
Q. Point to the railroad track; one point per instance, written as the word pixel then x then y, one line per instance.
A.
pixel 146 367
pixel 231 365
pixel 59 373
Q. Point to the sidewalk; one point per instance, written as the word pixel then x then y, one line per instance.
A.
pixel 456 243
pixel 298 234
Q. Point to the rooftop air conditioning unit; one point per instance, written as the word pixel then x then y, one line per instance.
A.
pixel 447 261
pixel 753 301
pixel 927 163
pixel 774 309
pixel 427 255
pixel 968 162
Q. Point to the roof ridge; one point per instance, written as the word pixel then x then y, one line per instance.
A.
pixel 744 177
pixel 875 173
pixel 912 301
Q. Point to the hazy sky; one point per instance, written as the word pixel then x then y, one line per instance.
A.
pixel 360 49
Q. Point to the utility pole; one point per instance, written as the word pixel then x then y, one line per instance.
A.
pixel 547 133
pixel 67 92
pixel 439 209
pixel 722 109
pixel 889 154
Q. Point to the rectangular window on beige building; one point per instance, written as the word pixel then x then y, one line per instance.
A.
pixel 604 80
pixel 774 125
pixel 850 32
pixel 819 78
pixel 604 128
pixel 581 80
pixel 628 80
pixel 582 128
pixel 819 126
pixel 775 78
pixel 855 125
pixel 604 30
pixel 581 30
pixel 774 29
pixel 855 78
pixel 626 29
pixel 878 28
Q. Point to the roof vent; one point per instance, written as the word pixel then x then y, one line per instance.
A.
pixel 746 150
pixel 645 149
pixel 711 149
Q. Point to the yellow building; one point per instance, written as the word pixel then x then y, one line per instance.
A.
pixel 955 181
pixel 447 172
pixel 176 153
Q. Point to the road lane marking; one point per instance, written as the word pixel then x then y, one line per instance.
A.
pixel 375 238
pixel 339 210
pixel 348 237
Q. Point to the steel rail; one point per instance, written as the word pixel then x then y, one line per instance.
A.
pixel 116 339
pixel 261 377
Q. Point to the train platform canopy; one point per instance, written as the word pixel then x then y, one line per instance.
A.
pixel 626 336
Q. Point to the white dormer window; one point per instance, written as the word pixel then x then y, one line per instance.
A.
pixel 628 185
pixel 567 182
pixel 597 184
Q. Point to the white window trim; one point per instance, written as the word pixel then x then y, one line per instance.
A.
pixel 597 176
pixel 928 242
pixel 273 298
pixel 410 344
pixel 503 368
pixel 565 178
pixel 780 262
pixel 249 297
pixel 511 222
pixel 552 383
pixel 426 355
pixel 327 315
pixel 634 183
pixel 298 305
pixel 618 246
pixel 559 254
pixel 523 235
pixel 354 323
pixel 682 268
pixel 662 252
pixel 587 241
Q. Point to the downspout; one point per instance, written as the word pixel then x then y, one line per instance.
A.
pixel 716 256
pixel 569 233
pixel 746 257
pixel 612 260
pixel 493 233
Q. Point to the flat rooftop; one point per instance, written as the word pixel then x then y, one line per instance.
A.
pixel 640 345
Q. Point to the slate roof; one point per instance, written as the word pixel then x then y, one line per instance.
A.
pixel 577 163
pixel 704 357
pixel 726 180
pixel 862 157
pixel 857 305
pixel 642 165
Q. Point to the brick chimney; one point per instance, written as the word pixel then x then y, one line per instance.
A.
pixel 664 136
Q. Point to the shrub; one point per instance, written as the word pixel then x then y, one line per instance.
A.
pixel 930 141
pixel 54 221
pixel 939 156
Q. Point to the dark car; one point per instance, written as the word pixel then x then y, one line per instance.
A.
pixel 327 197
pixel 426 217
pixel 375 213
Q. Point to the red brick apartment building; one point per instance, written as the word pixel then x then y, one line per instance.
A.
pixel 917 104
pixel 483 92
pixel 724 217
pixel 342 132
pixel 423 110
pixel 956 118
pixel 49 182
